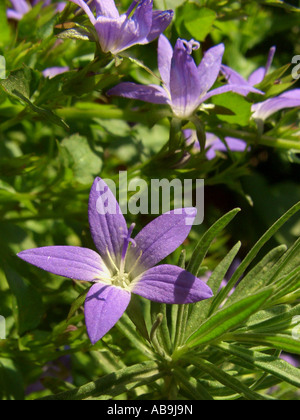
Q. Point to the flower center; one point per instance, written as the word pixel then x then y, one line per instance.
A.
pixel 121 280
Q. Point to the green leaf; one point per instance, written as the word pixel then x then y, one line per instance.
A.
pixel 207 239
pixel 194 21
pixel 252 254
pixel 194 388
pixel 264 362
pixel 258 277
pixel 200 310
pixel 227 380
pixel 85 162
pixel 21 84
pixel 227 319
pixel 113 384
pixel 28 306
pixel 11 381
pixel 237 105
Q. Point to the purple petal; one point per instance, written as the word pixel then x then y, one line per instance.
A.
pixel 12 14
pixel 107 223
pixel 160 21
pixel 118 34
pixel 54 71
pixel 160 238
pixel 171 284
pixel 257 76
pixel 210 66
pixel 265 109
pixel 270 59
pixel 185 86
pixel 20 6
pixel 165 54
pixel 152 93
pixel 216 144
pixel 85 7
pixel 106 8
pixel 241 90
pixel 68 261
pixel 104 306
pixel 233 77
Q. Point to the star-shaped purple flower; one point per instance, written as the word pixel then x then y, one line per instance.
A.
pixel 263 110
pixel 139 25
pixel 123 265
pixel 185 85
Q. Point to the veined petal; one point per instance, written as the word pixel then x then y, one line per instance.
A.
pixel 85 7
pixel 107 223
pixel 233 77
pixel 264 110
pixel 160 21
pixel 160 238
pixel 106 8
pixel 142 18
pixel 118 34
pixel 241 90
pixel 165 54
pixel 151 93
pixel 68 261
pixel 185 86
pixel 210 66
pixel 257 76
pixel 104 306
pixel 171 284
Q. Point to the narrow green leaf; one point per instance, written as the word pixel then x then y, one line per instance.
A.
pixel 192 386
pixel 200 310
pixel 258 277
pixel 228 318
pixel 146 372
pixel 227 380
pixel 264 362
pixel 207 239
pixel 276 341
pixel 252 254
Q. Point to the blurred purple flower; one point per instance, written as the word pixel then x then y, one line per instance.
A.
pixel 291 359
pixel 54 71
pixel 139 25
pixel 214 144
pixel 263 110
pixel 120 269
pixel 185 86
pixel 21 7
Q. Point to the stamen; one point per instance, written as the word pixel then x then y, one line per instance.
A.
pixel 191 45
pixel 111 260
pixel 127 241
pixel 136 263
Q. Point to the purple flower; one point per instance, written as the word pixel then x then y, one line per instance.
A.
pixel 185 85
pixel 214 144
pixel 123 265
pixel 139 25
pixel 21 7
pixel 54 71
pixel 263 110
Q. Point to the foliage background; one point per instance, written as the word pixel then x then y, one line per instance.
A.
pixel 57 135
